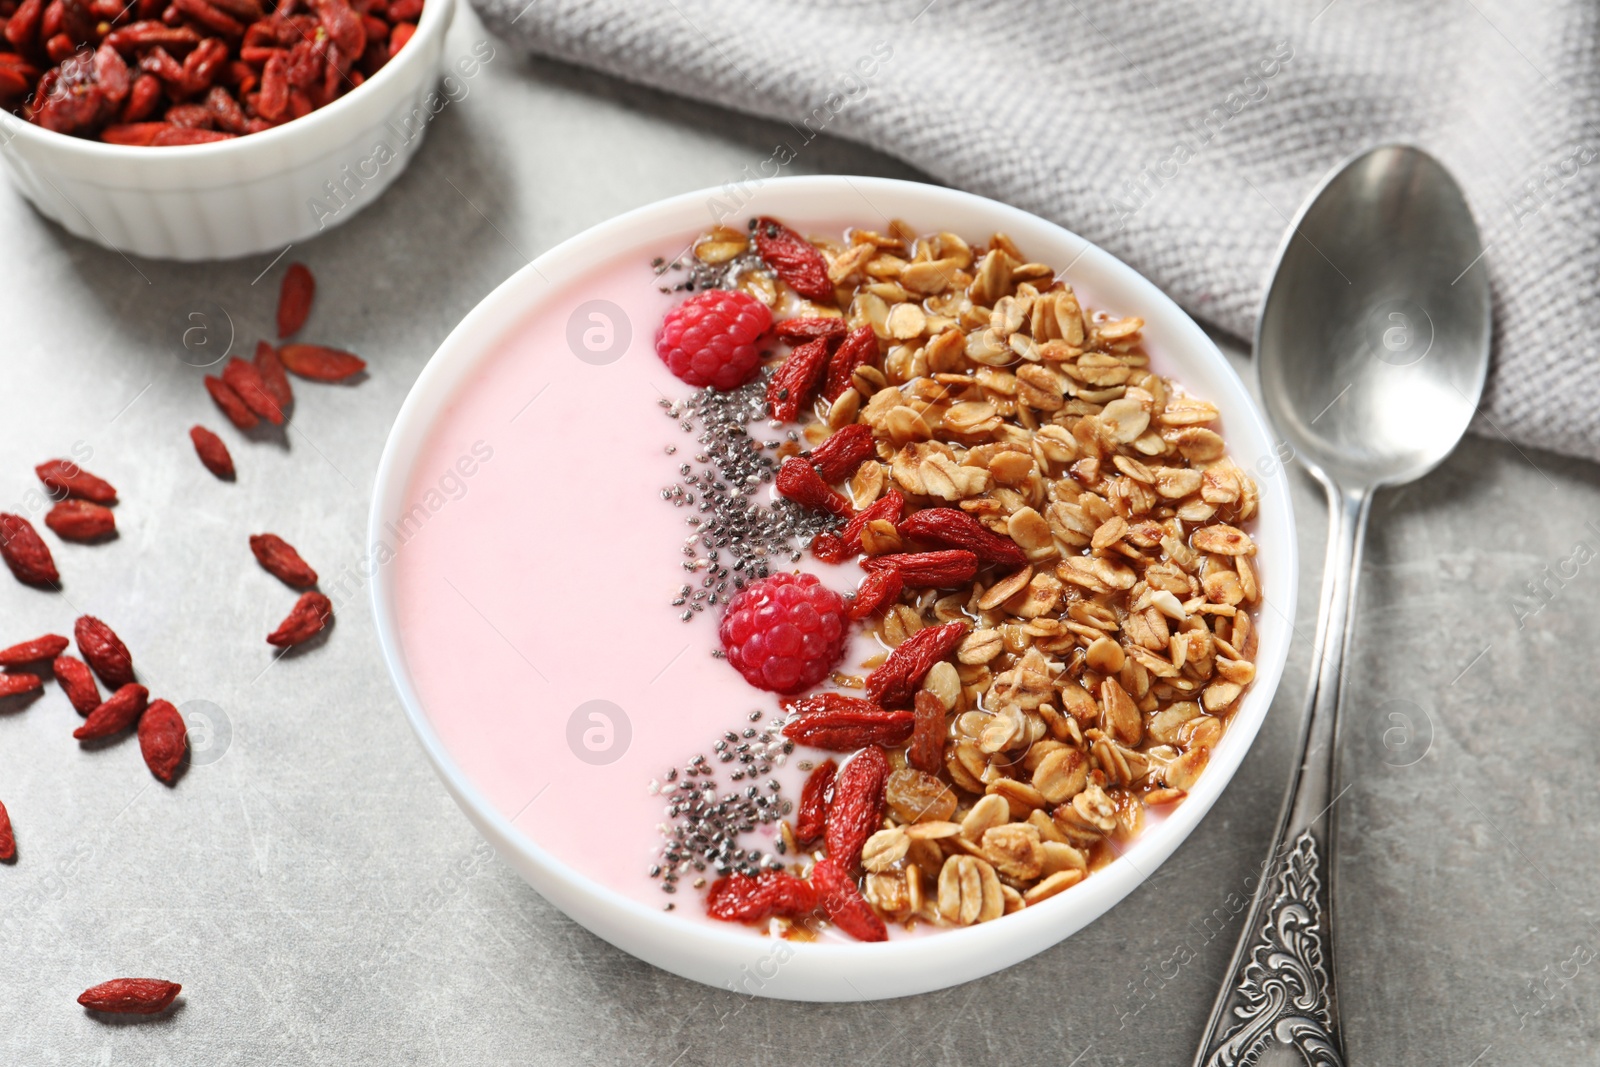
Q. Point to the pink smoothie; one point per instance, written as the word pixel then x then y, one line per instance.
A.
pixel 535 564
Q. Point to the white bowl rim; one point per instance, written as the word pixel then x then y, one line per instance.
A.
pixel 486 324
pixel 434 12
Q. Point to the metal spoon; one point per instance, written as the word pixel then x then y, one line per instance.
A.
pixel 1371 354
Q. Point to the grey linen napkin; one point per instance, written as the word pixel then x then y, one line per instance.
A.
pixel 1180 136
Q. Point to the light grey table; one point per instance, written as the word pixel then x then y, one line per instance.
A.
pixel 324 902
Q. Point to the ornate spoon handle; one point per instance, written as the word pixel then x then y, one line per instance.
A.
pixel 1280 985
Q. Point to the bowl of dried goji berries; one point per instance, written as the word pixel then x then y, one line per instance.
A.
pixel 208 129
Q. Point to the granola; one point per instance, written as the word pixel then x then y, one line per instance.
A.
pixel 1068 519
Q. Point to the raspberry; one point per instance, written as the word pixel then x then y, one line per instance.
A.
pixel 711 338
pixel 785 633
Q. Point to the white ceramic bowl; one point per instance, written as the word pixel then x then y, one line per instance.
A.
pixel 733 957
pixel 254 193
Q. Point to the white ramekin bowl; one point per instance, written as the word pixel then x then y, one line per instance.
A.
pixel 251 194
pixel 735 958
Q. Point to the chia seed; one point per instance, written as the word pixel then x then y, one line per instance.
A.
pixel 704 823
pixel 733 535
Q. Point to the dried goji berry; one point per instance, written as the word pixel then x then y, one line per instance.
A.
pixel 343 26
pixel 843 723
pixel 131 996
pixel 8 837
pixel 281 560
pixel 162 739
pixel 842 902
pixel 294 299
pixel 212 452
pixel 273 376
pixel 957 529
pixel 309 617
pixel 65 478
pixel 856 350
pixel 25 553
pixel 887 507
pixel 928 570
pixel 799 481
pixel 16 683
pixel 795 260
pixel 40 648
pixel 809 329
pixel 895 683
pixel 812 815
pixel 830 548
pixel 878 589
pixel 116 714
pixel 926 751
pixel 77 682
pixel 104 651
pixel 403 32
pixel 795 381
pixel 245 380
pixel 79 520
pixel 320 364
pixel 845 449
pixel 857 808
pixel 231 403
pixel 746 898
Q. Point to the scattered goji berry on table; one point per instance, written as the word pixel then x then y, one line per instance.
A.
pixel 212 452
pixel 8 837
pixel 245 381
pixel 795 381
pixel 104 651
pixel 15 683
pixel 294 297
pixel 162 739
pixel 65 478
pixel 846 449
pixel 747 898
pixel 25 553
pixel 308 618
pixel 856 811
pixel 895 683
pixel 796 261
pixel 280 560
pixel 79 520
pixel 928 570
pixel 40 648
pixel 231 404
pixel 119 711
pixel 798 481
pixel 77 682
pixel 131 996
pixel 273 376
pixel 926 751
pixel 320 364
pixel 841 900
pixel 858 349
pixel 812 815
pixel 957 529
pixel 843 723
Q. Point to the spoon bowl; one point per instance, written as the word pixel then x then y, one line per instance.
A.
pixel 1373 343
